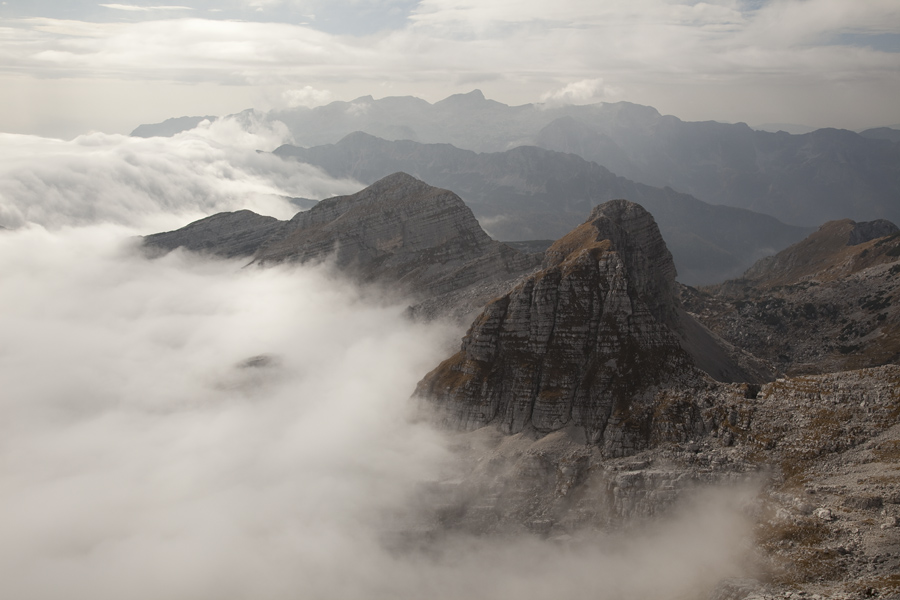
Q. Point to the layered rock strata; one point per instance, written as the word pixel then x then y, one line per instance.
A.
pixel 587 342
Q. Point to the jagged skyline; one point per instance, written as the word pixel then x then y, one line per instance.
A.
pixel 70 67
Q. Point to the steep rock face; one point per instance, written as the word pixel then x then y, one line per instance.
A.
pixel 870 230
pixel 585 342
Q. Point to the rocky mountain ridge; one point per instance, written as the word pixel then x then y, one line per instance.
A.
pixel 421 241
pixel 594 340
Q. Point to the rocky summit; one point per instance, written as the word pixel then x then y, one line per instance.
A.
pixel 423 241
pixel 595 340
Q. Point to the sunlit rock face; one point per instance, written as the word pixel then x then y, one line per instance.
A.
pixel 584 342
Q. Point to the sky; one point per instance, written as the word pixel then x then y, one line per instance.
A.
pixel 71 67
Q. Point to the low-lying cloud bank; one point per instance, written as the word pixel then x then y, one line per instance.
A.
pixel 153 183
pixel 189 428
pixel 144 456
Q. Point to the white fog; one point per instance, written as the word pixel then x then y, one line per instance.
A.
pixel 190 428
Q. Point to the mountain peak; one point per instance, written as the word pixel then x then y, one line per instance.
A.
pixel 632 232
pixel 420 240
pixel 467 100
pixel 585 341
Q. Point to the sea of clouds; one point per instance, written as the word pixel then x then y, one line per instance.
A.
pixel 189 428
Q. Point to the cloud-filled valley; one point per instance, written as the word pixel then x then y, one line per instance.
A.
pixel 147 457
pixel 190 428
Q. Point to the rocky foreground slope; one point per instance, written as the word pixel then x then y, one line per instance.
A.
pixel 827 303
pixel 580 407
pixel 819 454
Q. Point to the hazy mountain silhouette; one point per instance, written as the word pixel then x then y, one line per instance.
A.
pixel 169 127
pixel 531 193
pixel 801 179
pixel 882 133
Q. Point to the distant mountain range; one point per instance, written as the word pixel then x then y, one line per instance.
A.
pixel 514 166
pixel 800 179
pixel 529 193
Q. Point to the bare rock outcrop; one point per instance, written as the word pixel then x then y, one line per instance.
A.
pixel 587 342
pixel 814 459
pixel 827 303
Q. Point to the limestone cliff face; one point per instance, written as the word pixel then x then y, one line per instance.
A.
pixel 584 342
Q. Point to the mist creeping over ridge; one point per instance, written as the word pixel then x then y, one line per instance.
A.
pixel 152 183
pixel 192 428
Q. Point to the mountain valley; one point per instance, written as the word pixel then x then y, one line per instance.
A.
pixel 594 393
pixel 528 193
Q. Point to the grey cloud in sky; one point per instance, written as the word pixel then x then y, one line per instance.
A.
pixel 698 60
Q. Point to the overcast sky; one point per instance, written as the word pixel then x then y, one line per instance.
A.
pixel 67 67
